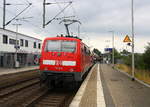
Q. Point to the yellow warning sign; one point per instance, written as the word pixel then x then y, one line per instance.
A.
pixel 127 39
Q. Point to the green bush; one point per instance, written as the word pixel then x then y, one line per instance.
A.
pixel 142 61
pixel 146 57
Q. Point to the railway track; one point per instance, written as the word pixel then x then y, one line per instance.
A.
pixel 27 92
pixel 53 98
pixel 30 94
pixel 16 78
pixel 56 97
pixel 15 85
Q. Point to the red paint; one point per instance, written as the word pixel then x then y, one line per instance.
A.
pixel 83 60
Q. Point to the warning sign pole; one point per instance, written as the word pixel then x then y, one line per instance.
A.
pixel 132 16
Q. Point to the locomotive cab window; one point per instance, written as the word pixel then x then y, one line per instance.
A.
pixel 68 46
pixel 60 46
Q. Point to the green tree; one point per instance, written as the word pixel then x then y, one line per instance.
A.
pixel 117 56
pixel 139 61
pixel 126 57
pixel 146 57
pixel 125 53
pixel 97 51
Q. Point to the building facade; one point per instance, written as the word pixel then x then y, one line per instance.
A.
pixel 18 50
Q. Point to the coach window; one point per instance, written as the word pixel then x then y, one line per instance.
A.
pixel 5 39
pixel 85 50
pixel 82 49
pixel 34 45
pixel 21 42
pixel 89 52
pixel 26 43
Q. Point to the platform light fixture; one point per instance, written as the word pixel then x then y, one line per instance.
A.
pixel 113 50
pixel 132 19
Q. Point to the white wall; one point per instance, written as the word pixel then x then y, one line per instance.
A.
pixel 10 48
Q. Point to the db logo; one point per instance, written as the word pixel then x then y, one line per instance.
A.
pixel 58 62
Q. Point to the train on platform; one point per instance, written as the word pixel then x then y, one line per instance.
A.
pixel 64 59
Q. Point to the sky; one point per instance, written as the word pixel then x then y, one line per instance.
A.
pixel 98 17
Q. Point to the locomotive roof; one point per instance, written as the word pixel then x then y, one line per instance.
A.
pixel 65 38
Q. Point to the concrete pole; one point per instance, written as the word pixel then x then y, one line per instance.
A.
pixel 113 50
pixel 16 44
pixel 132 18
pixel 44 13
pixel 4 13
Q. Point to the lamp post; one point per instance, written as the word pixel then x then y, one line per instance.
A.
pixel 107 51
pixel 16 45
pixel 113 51
pixel 132 19
pixel 4 13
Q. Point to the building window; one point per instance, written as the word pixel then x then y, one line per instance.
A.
pixel 12 41
pixel 21 42
pixel 39 46
pixel 26 43
pixel 5 39
pixel 34 46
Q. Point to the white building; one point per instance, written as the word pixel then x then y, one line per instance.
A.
pixel 28 49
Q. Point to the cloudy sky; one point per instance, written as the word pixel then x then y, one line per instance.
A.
pixel 98 17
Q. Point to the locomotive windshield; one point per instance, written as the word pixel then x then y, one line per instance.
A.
pixel 61 46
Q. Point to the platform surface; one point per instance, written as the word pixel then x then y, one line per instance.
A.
pixel 124 91
pixel 114 89
pixel 90 93
pixel 4 71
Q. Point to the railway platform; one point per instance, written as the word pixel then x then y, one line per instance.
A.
pixel 4 71
pixel 106 87
pixel 90 94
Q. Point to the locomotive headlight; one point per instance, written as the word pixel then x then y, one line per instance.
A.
pixel 69 63
pixel 49 62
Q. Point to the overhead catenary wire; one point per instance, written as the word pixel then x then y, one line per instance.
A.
pixel 60 8
pixel 74 11
pixel 27 1
pixel 12 13
pixel 7 10
pixel 36 23
pixel 58 13
pixel 17 15
pixel 38 27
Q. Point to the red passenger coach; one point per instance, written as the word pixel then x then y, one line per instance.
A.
pixel 63 59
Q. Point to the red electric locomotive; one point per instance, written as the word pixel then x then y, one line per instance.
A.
pixel 64 58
